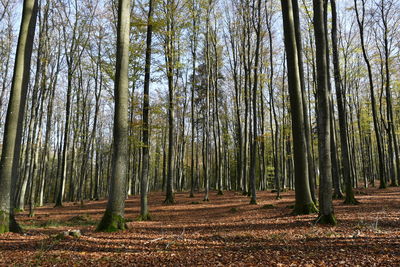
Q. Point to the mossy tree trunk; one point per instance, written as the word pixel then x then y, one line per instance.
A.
pixel 113 219
pixel 304 203
pixel 15 112
pixel 326 215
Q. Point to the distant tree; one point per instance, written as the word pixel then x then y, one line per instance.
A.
pixel 360 16
pixel 343 127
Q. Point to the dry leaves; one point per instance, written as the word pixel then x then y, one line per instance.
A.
pixel 226 231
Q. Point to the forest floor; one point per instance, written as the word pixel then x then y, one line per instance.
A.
pixel 225 231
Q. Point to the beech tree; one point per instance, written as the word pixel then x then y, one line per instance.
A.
pixel 144 213
pixel 304 203
pixel 227 104
pixel 360 16
pixel 326 209
pixel 113 218
pixel 9 163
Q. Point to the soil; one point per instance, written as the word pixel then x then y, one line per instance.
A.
pixel 226 231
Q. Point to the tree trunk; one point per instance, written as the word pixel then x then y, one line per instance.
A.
pixel 144 210
pixel 304 203
pixel 169 47
pixel 113 218
pixel 326 215
pixel 253 144
pixel 340 96
pixel 310 159
pixel 360 22
pixel 15 113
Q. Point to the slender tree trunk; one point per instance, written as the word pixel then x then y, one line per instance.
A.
pixel 360 22
pixel 342 115
pixel 206 158
pixel 170 199
pixel 144 210
pixel 395 179
pixel 253 159
pixel 194 59
pixel 326 215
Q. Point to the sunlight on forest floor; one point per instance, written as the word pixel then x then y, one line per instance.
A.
pixel 225 231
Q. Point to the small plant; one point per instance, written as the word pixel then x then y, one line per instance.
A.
pixel 17 210
pixel 143 218
pixel 234 210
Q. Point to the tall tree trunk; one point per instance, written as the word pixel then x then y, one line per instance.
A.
pixel 113 218
pixel 395 179
pixel 144 210
pixel 253 144
pixel 310 159
pixel 169 56
pixel 206 158
pixel 326 215
pixel 9 163
pixel 379 142
pixel 304 203
pixel 340 97
pixel 194 59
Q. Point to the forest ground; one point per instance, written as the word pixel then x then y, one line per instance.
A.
pixel 225 231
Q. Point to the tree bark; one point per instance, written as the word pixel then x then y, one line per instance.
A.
pixel 113 218
pixel 326 215
pixel 304 203
pixel 144 210
pixel 15 113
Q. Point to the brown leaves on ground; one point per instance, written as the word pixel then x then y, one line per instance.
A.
pixel 225 231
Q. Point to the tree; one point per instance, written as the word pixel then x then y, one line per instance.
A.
pixel 144 210
pixel 195 11
pixel 340 96
pixel 304 203
pixel 15 113
pixel 113 218
pixel 74 44
pixel 170 7
pixel 253 144
pixel 377 128
pixel 326 215
pixel 310 159
pixel 384 8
